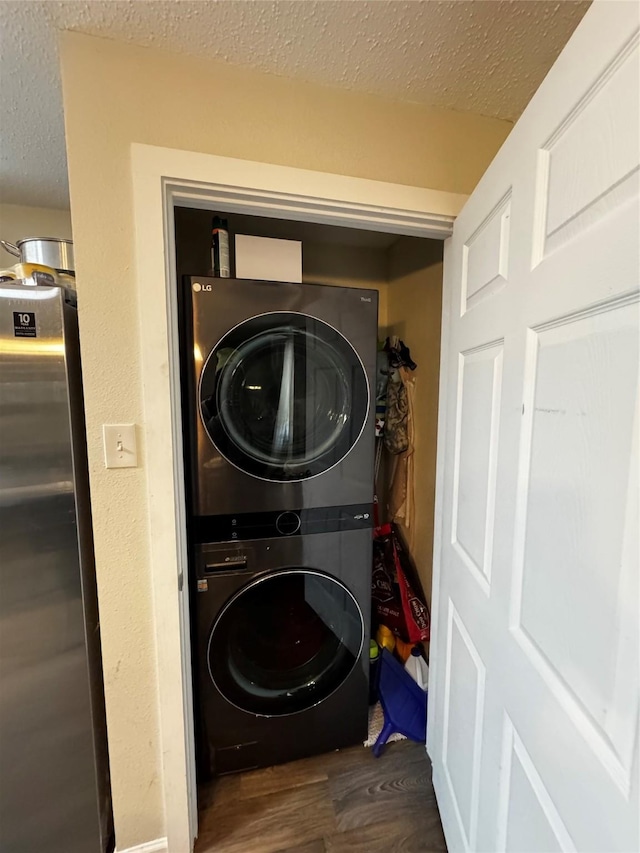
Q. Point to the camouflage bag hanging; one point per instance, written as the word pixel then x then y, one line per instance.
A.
pixel 396 428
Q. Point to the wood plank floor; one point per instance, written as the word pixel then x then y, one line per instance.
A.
pixel 346 801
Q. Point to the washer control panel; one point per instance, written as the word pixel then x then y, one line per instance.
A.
pixel 288 523
pixel 265 525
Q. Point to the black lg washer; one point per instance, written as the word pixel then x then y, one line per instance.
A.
pixel 282 624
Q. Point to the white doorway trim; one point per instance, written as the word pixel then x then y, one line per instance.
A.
pixel 162 179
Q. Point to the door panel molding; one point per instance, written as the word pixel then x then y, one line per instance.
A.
pixel 513 748
pixel 468 825
pixel 570 193
pixel 485 256
pixel 479 497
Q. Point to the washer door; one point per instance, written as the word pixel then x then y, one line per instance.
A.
pixel 285 642
pixel 283 396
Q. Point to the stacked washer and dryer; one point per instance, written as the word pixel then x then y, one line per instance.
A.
pixel 280 447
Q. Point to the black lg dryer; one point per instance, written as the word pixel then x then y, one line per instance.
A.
pixel 282 378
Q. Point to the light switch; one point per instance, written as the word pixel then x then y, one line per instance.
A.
pixel 120 449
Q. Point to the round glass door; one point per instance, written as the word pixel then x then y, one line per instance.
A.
pixel 285 642
pixel 283 396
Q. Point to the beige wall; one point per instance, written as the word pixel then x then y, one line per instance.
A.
pixel 17 222
pixel 113 95
pixel 415 315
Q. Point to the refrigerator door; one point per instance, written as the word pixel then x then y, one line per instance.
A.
pixel 54 794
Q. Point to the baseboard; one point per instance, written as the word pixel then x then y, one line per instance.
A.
pixel 157 846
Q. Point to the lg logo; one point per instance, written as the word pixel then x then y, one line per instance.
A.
pixel 197 287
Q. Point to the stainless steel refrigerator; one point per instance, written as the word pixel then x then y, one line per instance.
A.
pixel 54 773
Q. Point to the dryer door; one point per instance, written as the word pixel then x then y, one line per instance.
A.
pixel 285 642
pixel 283 396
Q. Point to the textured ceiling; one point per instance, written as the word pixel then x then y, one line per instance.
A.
pixel 483 56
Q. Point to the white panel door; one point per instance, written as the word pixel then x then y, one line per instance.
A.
pixel 533 706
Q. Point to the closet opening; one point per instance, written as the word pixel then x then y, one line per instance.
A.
pixel 239 645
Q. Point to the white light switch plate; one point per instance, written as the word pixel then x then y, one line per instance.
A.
pixel 120 449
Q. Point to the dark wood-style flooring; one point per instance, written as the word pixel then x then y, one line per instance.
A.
pixel 342 802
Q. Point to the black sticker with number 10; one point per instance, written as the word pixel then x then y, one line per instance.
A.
pixel 24 324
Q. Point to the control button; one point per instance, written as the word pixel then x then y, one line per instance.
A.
pixel 288 523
